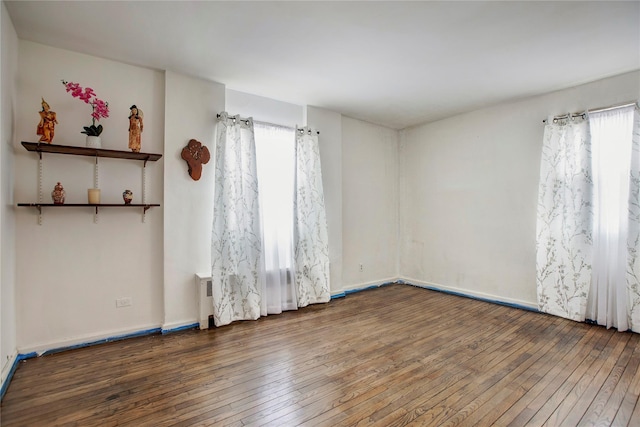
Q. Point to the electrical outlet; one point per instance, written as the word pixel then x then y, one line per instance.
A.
pixel 361 268
pixel 124 302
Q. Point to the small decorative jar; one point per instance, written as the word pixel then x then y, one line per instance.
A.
pixel 127 195
pixel 58 194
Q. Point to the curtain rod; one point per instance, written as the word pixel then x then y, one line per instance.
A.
pixel 234 118
pixel 272 124
pixel 259 122
pixel 595 110
pixel 299 129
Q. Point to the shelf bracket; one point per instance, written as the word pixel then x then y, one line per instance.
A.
pixel 95 174
pixel 39 188
pixel 144 191
pixel 96 184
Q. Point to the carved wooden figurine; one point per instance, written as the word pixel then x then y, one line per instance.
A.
pixel 47 124
pixel 195 154
pixel 136 127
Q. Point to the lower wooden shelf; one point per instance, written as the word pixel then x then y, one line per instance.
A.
pixel 39 207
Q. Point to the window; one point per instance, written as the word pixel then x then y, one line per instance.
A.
pixel 275 160
pixel 611 153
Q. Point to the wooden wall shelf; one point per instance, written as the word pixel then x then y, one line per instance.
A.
pixel 100 205
pixel 40 148
pixel 39 206
pixel 87 151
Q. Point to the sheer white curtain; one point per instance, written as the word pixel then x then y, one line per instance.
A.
pixel 611 146
pixel 311 241
pixel 236 247
pixel 275 151
pixel 563 234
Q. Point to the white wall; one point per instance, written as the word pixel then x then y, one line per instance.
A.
pixel 263 109
pixel 9 75
pixel 330 139
pixel 469 191
pixel 191 106
pixel 70 271
pixel 369 203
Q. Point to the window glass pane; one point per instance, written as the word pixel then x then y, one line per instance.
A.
pixel 275 151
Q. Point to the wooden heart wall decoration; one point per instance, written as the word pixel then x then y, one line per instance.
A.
pixel 196 155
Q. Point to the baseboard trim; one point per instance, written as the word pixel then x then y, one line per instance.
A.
pixel 366 288
pixel 179 327
pixel 52 348
pixel 362 287
pixel 142 333
pixel 340 294
pixel 8 370
pixel 523 305
pixel 359 287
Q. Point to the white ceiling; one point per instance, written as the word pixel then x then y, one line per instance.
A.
pixel 393 63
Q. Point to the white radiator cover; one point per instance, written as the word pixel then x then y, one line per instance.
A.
pixel 205 300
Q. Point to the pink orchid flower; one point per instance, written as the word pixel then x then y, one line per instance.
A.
pixel 99 108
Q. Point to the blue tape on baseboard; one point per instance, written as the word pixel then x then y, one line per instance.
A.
pixel 353 291
pixel 366 288
pixel 446 291
pixel 19 358
pixel 339 295
pixel 461 294
pixel 181 328
pixel 103 341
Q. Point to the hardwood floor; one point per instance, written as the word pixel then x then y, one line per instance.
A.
pixel 392 356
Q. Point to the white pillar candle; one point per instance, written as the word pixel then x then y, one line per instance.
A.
pixel 94 196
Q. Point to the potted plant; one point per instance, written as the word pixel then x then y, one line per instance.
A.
pixel 99 109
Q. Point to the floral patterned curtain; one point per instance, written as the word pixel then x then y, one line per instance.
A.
pixel 311 242
pixel 633 240
pixel 563 234
pixel 236 250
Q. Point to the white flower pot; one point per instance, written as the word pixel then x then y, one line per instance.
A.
pixel 94 141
